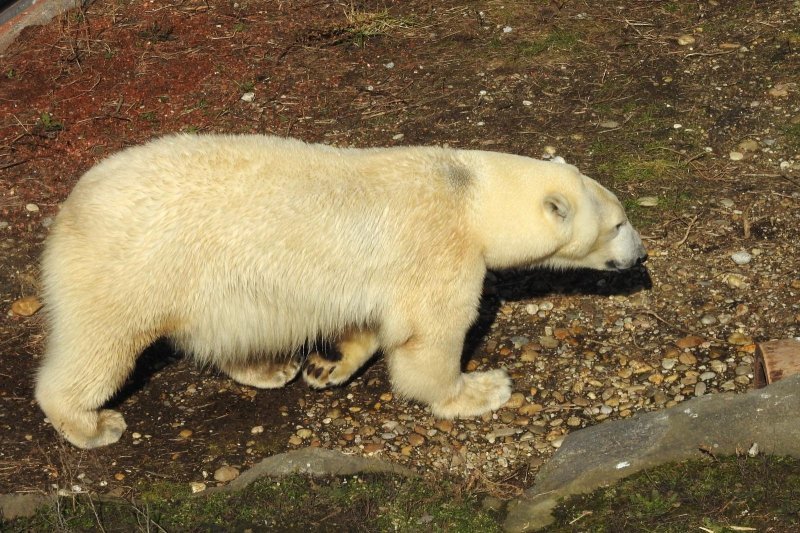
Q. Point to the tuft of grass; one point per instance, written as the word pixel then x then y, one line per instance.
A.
pixel 49 123
pixel 721 495
pixel 558 39
pixel 362 25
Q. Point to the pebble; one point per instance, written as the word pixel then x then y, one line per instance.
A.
pixel 668 363
pixel 748 145
pixel 718 366
pixel 735 281
pixel 739 339
pixel 185 433
pixel 516 401
pixel 609 124
pixel 226 473
pixel 736 156
pixel 707 320
pixel 519 341
pixel 527 103
pixel 32 208
pixel 248 97
pixel 648 201
pixel 743 370
pixel 257 430
pixel 445 426
pixel 27 306
pixel 548 341
pixel 373 447
pixel 690 341
pixel 532 309
pixel 686 40
pixel 415 439
pixel 700 389
pixel 741 257
pixel 779 90
pixel 708 375
pixel 687 359
pixel 398 137
pixel 304 433
pixel 197 486
pixel 727 203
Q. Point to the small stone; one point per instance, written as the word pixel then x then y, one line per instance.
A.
pixel 136 435
pixel 248 97
pixel 373 447
pixel 739 339
pixel 707 375
pixel 741 257
pixel 257 430
pixel 119 476
pixel 530 409
pixel 718 366
pixel 736 156
pixel 185 433
pixel 656 379
pixel 573 421
pixel 226 473
pixel 197 486
pixel 735 281
pixel 519 341
pixel 687 358
pixel 727 203
pixel 686 40
pixel 304 433
pixel 668 363
pixel 398 137
pixel 708 320
pixel 548 341
pixel 779 90
pixel 527 103
pixel 690 341
pixel 700 389
pixel 445 426
pixel 647 201
pixel 610 124
pixel 743 370
pixel 386 397
pixel 415 439
pixel 294 440
pixel 27 306
pixel 516 401
pixel 748 145
pixel 32 208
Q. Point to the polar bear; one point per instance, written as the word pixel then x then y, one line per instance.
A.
pixel 241 249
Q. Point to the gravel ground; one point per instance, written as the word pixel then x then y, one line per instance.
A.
pixel 689 111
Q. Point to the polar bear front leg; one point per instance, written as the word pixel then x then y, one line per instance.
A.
pixel 355 348
pixel 266 374
pixel 429 370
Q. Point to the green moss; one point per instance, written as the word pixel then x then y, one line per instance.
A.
pixel 720 495
pixel 558 39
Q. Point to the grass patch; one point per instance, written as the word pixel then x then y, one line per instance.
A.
pixel 362 25
pixel 558 39
pixel 724 495
pixel 296 503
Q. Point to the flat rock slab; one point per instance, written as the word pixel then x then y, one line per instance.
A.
pixel 603 454
pixel 313 462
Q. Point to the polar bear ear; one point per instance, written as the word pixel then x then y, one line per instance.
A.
pixel 558 206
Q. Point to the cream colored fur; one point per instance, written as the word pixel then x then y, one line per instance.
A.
pixel 242 249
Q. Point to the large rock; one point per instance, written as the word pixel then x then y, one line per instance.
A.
pixel 602 454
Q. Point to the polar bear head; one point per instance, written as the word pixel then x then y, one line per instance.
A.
pixel 529 212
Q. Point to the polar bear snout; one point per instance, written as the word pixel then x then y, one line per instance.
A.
pixel 615 265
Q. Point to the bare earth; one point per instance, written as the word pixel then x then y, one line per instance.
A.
pixel 693 103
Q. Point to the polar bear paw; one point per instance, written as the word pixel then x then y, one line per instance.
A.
pixel 93 429
pixel 266 375
pixel 321 373
pixel 480 392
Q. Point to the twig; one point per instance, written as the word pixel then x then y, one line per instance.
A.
pixel 688 230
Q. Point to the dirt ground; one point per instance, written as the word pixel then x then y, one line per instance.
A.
pixel 691 106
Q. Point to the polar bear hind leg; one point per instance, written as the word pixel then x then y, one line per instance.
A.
pixel 83 368
pixel 355 347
